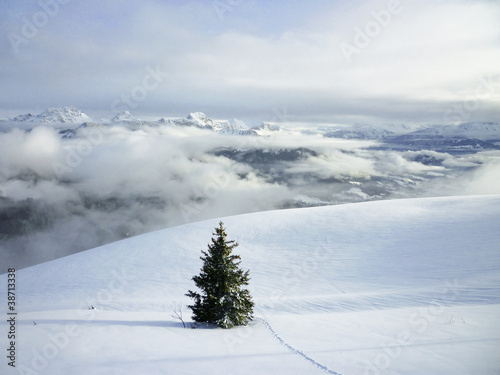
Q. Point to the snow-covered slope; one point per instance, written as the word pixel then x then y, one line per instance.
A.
pixel 388 287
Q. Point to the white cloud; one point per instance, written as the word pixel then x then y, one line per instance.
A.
pixel 486 179
pixel 254 60
pixel 34 151
pixel 131 182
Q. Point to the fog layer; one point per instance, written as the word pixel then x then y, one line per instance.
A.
pixel 63 195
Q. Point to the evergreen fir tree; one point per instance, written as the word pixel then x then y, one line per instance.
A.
pixel 223 301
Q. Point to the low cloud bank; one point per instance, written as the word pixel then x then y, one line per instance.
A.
pixel 63 195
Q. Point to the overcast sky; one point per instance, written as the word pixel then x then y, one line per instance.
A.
pixel 431 61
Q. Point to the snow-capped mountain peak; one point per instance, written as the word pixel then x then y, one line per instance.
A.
pixel 124 116
pixel 62 115
pixel 266 129
pixel 200 119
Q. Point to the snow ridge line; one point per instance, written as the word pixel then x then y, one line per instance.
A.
pixel 296 351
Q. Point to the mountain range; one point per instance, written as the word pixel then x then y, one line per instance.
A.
pixel 72 116
pixel 465 137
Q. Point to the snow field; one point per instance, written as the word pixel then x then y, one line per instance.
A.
pixel 389 287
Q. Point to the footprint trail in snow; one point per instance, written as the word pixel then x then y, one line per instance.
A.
pixel 296 351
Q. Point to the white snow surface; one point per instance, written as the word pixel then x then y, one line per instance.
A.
pixel 388 287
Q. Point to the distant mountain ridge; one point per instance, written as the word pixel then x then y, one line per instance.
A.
pixel 466 137
pixel 479 130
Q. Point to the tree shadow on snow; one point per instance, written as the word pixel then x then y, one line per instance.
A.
pixel 105 322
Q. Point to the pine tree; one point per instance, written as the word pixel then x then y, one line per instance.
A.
pixel 223 301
